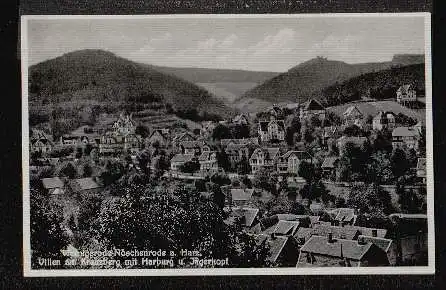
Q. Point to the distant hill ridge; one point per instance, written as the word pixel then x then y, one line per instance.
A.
pixel 309 79
pixel 102 76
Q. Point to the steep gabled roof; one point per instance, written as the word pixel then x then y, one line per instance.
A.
pixel 302 155
pixel 338 232
pixel 383 243
pixel 404 89
pixel 312 105
pixel 86 183
pixel 241 194
pixel 380 233
pixel 339 248
pixel 276 245
pixel 52 182
pixel 352 110
pixel 249 214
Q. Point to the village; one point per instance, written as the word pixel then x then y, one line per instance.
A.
pixel 319 188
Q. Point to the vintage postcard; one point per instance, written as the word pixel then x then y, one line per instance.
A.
pixel 227 145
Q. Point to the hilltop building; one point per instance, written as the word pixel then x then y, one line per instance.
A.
pixel 406 95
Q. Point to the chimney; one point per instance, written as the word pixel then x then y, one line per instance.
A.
pixel 374 233
pixel 361 241
pixel 330 238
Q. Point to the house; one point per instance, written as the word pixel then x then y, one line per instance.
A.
pixel 387 245
pixel 87 185
pixel 383 120
pixel 178 160
pixel 263 158
pixel 330 132
pixel 275 111
pixel 289 162
pixel 344 140
pixel 352 116
pixel 53 185
pixel 272 130
pixel 240 119
pixel 312 108
pixel 240 196
pixel 124 125
pixel 282 227
pixel 371 232
pixel 194 147
pixel 329 166
pixel 158 136
pixel 405 137
pixel 181 137
pixel 207 127
pixel 246 216
pixel 328 251
pixel 406 95
pixel 283 250
pixel 237 151
pixel 208 162
pixel 336 231
pixel 42 145
pixel 343 216
pixel 421 169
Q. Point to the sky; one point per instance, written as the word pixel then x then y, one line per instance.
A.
pixel 257 44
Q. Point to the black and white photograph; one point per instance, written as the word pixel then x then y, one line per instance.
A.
pixel 227 144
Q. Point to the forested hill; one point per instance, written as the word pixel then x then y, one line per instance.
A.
pixel 310 78
pixel 378 85
pixel 104 77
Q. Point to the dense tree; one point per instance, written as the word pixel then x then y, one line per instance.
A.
pixel 353 130
pixel 174 222
pixel 399 163
pixel 78 153
pixel 142 130
pixel 379 168
pixel 371 199
pixel 220 179
pixel 190 166
pixel 221 132
pixel 239 131
pixel 243 166
pixel 144 162
pixel 111 172
pixel 223 160
pixel 47 235
pixel 68 170
pixel 161 164
pixel 265 179
pixel 87 171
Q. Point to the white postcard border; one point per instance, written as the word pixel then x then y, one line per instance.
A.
pixel 398 270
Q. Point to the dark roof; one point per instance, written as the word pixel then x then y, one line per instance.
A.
pixel 249 214
pixel 300 154
pixel 338 232
pixel 339 248
pixel 312 105
pixel 381 233
pixel 404 89
pixel 244 141
pixel 276 245
pixel 52 182
pixel 263 125
pixel 182 158
pixel 160 132
pixel 303 233
pixel 241 194
pixel 86 183
pixel 382 243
